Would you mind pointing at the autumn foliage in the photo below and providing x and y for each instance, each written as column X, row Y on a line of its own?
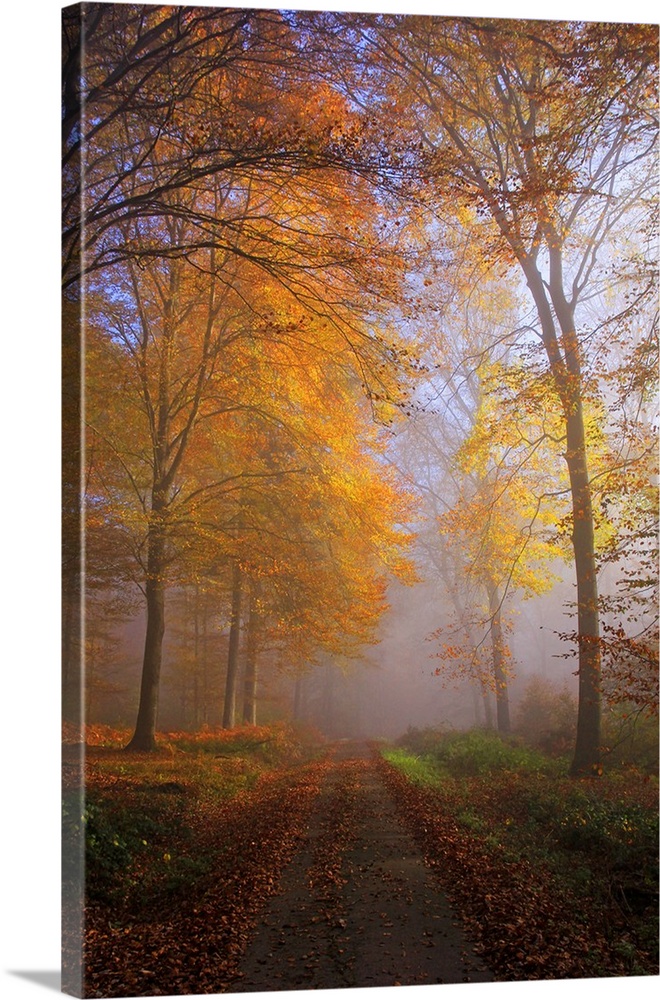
column 277, row 277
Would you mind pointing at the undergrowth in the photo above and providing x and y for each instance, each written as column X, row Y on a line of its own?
column 143, row 820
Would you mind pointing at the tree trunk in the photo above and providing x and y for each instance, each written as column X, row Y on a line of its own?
column 499, row 663
column 72, row 695
column 229, row 712
column 488, row 708
column 72, row 515
column 586, row 758
column 196, row 658
column 250, row 684
column 144, row 737
column 205, row 665
column 328, row 702
column 475, row 706
column 298, row 698
column 567, row 374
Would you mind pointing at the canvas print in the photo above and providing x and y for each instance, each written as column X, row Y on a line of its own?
column 360, row 631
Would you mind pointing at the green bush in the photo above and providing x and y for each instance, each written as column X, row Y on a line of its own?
column 479, row 752
column 72, row 835
column 475, row 752
column 622, row 833
column 117, row 834
column 109, row 850
column 422, row 741
column 630, row 739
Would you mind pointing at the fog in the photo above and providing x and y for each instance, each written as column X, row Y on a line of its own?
column 396, row 684
column 401, row 680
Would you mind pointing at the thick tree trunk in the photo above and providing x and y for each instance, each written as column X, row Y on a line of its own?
column 488, row 708
column 499, row 663
column 250, row 682
column 229, row 711
column 144, row 737
column 587, row 756
column 565, row 366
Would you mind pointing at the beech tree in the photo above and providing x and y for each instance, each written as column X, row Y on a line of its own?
column 206, row 179
column 505, row 516
column 214, row 403
column 316, row 545
column 546, row 131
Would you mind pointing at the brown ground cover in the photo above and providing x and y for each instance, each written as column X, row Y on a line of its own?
column 245, row 861
column 533, row 917
column 289, row 874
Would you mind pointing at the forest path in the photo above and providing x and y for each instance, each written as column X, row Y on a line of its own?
column 356, row 907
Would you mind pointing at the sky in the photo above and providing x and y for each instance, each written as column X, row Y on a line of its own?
column 29, row 367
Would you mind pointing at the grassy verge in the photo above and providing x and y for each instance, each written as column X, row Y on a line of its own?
column 558, row 877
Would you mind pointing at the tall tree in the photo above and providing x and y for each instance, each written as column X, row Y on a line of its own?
column 272, row 248
column 547, row 132
column 505, row 515
column 214, row 404
column 251, row 657
column 195, row 170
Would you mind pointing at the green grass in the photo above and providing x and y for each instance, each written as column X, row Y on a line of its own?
column 422, row 770
column 461, row 754
column 431, row 758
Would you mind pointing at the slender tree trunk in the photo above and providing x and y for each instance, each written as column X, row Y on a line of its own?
column 587, row 756
column 195, row 712
column 229, row 712
column 144, row 737
column 72, row 503
column 250, row 683
column 205, row 665
column 298, row 698
column 499, row 663
column 72, row 701
column 183, row 704
column 475, row 706
column 485, row 692
column 328, row 701
column 196, row 645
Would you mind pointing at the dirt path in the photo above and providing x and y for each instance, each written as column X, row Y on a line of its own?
column 356, row 907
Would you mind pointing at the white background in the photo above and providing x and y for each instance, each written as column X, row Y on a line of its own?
column 29, row 493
